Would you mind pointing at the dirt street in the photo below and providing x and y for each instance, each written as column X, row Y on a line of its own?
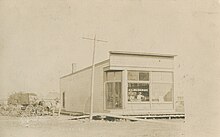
column 62, row 127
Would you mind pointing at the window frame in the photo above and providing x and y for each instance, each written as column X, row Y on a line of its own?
column 112, row 81
column 150, row 82
column 138, row 81
column 163, row 82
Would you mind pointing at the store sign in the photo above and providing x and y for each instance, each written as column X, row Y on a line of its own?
column 138, row 90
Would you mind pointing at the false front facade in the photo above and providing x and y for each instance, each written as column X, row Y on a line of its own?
column 126, row 83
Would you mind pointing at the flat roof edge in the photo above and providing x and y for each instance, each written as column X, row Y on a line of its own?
column 97, row 64
column 142, row 54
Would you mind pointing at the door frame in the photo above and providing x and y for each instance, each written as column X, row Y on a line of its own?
column 105, row 103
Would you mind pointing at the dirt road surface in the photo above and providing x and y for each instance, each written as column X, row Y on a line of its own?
column 63, row 127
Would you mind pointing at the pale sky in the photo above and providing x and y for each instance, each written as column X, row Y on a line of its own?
column 39, row 39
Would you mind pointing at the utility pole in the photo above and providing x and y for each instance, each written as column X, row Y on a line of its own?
column 93, row 73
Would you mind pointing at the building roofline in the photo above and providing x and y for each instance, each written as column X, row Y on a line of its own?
column 141, row 54
column 123, row 53
column 97, row 64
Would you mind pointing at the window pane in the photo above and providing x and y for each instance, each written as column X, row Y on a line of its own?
column 133, row 75
column 138, row 76
column 162, row 77
column 138, row 92
column 156, row 76
column 167, row 76
column 162, row 92
column 144, row 76
column 108, row 93
column 113, row 95
column 118, row 75
column 113, row 75
column 110, row 76
column 117, row 96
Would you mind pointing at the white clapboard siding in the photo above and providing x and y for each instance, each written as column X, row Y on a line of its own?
column 141, row 61
column 77, row 88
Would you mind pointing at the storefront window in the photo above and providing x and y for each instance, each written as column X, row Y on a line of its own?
column 138, row 92
column 139, row 84
column 162, row 87
column 162, row 92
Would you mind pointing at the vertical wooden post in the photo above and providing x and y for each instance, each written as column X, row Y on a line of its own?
column 124, row 88
column 93, row 78
column 150, row 89
column 93, row 74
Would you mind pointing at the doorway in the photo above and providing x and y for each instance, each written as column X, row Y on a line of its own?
column 113, row 90
column 113, row 95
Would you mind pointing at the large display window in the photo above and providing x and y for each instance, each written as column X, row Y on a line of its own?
column 146, row 86
column 138, row 86
column 162, row 92
column 142, row 87
column 162, row 87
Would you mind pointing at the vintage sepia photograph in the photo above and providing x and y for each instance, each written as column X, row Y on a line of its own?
column 109, row 68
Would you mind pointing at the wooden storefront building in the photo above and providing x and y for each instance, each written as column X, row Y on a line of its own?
column 126, row 83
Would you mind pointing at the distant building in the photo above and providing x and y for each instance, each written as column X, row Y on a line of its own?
column 126, row 83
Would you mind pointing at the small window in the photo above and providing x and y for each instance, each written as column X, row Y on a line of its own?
column 133, row 75
column 118, row 75
column 143, row 76
column 110, row 76
column 113, row 75
column 138, row 76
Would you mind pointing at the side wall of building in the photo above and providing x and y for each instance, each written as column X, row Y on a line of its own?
column 99, row 88
column 77, row 88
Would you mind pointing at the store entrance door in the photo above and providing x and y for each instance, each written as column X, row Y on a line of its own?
column 113, row 95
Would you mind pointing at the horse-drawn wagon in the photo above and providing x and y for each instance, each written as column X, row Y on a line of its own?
column 27, row 104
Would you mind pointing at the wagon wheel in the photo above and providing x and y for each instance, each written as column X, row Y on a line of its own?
column 52, row 110
column 11, row 110
column 30, row 111
column 46, row 110
column 5, row 111
column 40, row 110
column 17, row 112
column 2, row 111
